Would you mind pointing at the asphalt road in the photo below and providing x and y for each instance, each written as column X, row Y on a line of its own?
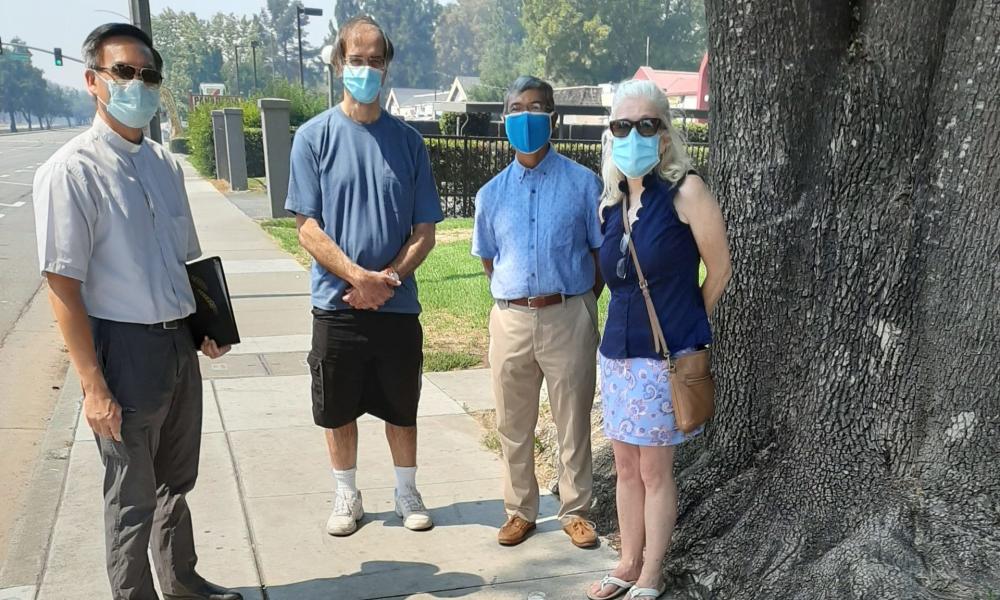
column 20, row 155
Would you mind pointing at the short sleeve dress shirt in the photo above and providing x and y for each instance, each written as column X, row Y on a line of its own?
column 115, row 216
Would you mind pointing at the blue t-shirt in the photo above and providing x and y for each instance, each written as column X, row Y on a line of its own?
column 539, row 226
column 366, row 185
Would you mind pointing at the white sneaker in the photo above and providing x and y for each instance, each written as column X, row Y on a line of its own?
column 347, row 511
column 410, row 506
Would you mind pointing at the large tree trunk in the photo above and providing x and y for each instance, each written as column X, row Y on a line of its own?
column 856, row 452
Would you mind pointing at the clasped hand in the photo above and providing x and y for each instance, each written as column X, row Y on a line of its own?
column 371, row 290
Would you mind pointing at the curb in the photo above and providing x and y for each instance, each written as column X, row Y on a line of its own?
column 29, row 546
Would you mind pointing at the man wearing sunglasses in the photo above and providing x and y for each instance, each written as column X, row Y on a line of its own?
column 114, row 230
column 366, row 206
column 537, row 231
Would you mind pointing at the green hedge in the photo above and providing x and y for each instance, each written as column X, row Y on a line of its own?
column 304, row 106
column 697, row 133
column 478, row 125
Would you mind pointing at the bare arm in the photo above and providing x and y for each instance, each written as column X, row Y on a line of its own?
column 697, row 207
column 103, row 413
column 488, row 267
column 598, row 280
column 370, row 290
column 415, row 250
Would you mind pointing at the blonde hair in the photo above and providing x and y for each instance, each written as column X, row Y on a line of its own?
column 674, row 162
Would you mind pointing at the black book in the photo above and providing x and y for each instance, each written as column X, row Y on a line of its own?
column 213, row 316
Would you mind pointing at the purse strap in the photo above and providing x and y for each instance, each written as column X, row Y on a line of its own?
column 659, row 340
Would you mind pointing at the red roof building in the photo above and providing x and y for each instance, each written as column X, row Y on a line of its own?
column 685, row 88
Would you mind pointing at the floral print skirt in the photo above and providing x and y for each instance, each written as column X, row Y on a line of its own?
column 638, row 410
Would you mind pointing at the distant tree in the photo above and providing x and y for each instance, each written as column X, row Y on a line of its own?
column 460, row 38
column 506, row 53
column 595, row 41
column 410, row 25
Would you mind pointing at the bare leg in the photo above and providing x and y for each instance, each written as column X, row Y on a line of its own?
column 656, row 467
column 342, row 444
column 630, row 499
column 402, row 444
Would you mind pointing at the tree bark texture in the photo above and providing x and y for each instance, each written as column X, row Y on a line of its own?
column 855, row 149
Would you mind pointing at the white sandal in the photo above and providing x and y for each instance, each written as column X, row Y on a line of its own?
column 621, row 585
column 646, row 592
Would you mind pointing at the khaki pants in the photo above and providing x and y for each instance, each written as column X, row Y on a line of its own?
column 557, row 343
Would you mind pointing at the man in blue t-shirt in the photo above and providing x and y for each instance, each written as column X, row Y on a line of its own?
column 366, row 206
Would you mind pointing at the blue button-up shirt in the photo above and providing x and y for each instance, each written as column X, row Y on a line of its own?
column 539, row 226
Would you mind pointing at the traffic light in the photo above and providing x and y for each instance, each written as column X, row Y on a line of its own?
column 57, row 52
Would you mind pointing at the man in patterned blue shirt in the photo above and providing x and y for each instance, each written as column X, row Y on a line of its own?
column 537, row 232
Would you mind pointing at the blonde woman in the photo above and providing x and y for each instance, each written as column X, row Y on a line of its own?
column 675, row 222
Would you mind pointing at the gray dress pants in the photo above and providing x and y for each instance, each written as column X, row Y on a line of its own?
column 154, row 375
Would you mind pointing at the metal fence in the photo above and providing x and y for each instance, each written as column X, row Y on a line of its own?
column 462, row 165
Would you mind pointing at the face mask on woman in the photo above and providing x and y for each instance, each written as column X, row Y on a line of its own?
column 364, row 83
column 635, row 155
column 132, row 103
column 528, row 132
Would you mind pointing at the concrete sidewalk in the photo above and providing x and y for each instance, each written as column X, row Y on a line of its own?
column 265, row 489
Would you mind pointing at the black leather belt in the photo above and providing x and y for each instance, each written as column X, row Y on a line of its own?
column 168, row 325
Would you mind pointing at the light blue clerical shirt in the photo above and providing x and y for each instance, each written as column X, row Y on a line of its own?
column 539, row 226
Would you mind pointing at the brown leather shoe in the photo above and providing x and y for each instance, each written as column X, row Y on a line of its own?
column 581, row 532
column 514, row 531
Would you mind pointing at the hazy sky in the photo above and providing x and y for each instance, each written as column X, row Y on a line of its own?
column 65, row 23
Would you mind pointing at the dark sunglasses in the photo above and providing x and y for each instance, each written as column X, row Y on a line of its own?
column 647, row 127
column 128, row 72
column 621, row 269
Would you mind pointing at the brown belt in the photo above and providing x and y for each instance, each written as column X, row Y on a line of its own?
column 539, row 301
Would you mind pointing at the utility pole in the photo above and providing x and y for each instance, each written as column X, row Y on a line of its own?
column 139, row 9
column 647, row 50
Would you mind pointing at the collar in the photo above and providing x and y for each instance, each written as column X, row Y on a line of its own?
column 649, row 180
column 541, row 168
column 104, row 132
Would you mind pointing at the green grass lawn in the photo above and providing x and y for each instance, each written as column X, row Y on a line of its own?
column 453, row 291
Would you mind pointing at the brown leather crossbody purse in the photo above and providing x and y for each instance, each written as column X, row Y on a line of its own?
column 692, row 388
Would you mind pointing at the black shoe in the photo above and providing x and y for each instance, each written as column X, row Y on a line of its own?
column 208, row 591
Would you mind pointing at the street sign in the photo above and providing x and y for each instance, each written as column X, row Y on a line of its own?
column 197, row 99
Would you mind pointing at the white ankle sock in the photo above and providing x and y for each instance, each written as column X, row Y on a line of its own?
column 406, row 479
column 346, row 481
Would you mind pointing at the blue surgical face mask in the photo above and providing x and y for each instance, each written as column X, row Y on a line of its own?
column 131, row 103
column 635, row 155
column 363, row 83
column 528, row 132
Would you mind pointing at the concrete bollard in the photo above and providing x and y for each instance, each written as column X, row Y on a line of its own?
column 274, row 119
column 219, row 138
column 236, row 149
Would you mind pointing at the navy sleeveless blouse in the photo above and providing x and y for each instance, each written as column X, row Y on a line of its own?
column 669, row 259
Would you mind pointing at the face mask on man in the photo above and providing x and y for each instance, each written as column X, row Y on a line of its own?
column 635, row 155
column 528, row 132
column 132, row 103
column 364, row 83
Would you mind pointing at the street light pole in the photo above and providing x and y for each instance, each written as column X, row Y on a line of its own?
column 253, row 51
column 311, row 12
column 237, row 49
column 139, row 9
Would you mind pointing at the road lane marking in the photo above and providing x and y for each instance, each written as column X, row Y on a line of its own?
column 15, row 205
